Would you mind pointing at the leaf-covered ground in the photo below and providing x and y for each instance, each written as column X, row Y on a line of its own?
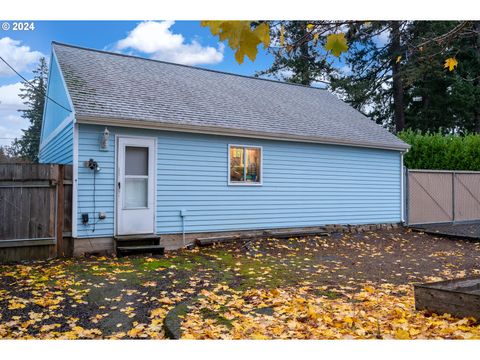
column 339, row 287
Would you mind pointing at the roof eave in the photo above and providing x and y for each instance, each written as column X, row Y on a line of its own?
column 213, row 130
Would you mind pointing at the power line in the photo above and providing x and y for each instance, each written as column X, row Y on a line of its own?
column 33, row 87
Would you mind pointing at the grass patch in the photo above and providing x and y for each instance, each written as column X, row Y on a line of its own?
column 219, row 319
column 141, row 264
column 332, row 295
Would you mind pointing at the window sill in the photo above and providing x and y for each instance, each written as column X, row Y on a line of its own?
column 244, row 184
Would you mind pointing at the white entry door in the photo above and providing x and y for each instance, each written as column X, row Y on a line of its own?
column 135, row 186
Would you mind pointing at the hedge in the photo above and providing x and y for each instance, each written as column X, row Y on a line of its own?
column 442, row 152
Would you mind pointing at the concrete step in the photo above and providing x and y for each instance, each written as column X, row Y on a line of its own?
column 137, row 240
column 122, row 238
column 143, row 249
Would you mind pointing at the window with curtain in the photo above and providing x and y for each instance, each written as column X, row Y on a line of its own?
column 245, row 165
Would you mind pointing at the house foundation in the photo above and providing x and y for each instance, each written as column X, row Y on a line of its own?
column 105, row 245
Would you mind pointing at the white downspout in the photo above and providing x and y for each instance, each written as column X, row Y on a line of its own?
column 183, row 214
column 402, row 185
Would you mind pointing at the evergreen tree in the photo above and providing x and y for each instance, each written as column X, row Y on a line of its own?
column 374, row 83
column 7, row 155
column 3, row 155
column 396, row 71
column 402, row 83
column 304, row 64
column 437, row 99
column 33, row 94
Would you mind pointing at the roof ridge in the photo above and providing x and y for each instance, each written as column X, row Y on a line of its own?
column 183, row 65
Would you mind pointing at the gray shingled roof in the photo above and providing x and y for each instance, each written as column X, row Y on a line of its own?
column 105, row 85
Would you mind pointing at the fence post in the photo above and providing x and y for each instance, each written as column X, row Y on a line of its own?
column 52, row 220
column 453, row 196
column 60, row 209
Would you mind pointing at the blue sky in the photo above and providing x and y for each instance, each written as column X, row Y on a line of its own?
column 181, row 41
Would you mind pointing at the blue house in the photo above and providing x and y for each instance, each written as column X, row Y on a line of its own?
column 165, row 149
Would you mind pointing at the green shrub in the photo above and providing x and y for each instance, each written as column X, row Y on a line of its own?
column 442, row 152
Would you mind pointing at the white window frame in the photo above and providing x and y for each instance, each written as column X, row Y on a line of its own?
column 125, row 177
column 245, row 183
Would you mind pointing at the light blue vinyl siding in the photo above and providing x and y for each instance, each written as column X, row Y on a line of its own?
column 55, row 114
column 60, row 149
column 89, row 148
column 56, row 143
column 304, row 184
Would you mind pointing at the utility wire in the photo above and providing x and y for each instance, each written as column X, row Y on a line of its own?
column 33, row 87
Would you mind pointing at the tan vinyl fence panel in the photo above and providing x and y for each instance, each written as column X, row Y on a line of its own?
column 467, row 196
column 442, row 196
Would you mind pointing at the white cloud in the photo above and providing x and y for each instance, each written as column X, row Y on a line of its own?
column 11, row 123
column 345, row 69
column 320, row 84
column 383, row 38
column 8, row 134
column 9, row 98
column 156, row 39
column 280, row 75
column 11, row 126
column 19, row 56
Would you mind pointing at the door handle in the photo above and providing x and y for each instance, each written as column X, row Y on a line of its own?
column 119, row 185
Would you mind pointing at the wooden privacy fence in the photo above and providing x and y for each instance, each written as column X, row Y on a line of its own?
column 35, row 211
column 436, row 196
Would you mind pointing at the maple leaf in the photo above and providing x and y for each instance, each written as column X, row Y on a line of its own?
column 136, row 331
column 213, row 25
column 282, row 35
column 241, row 37
column 402, row 334
column 166, row 300
column 158, row 312
column 312, row 313
column 398, row 59
column 12, row 305
column 49, row 327
column 262, row 31
column 337, row 44
column 450, row 64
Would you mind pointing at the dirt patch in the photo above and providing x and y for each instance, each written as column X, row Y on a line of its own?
column 129, row 297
